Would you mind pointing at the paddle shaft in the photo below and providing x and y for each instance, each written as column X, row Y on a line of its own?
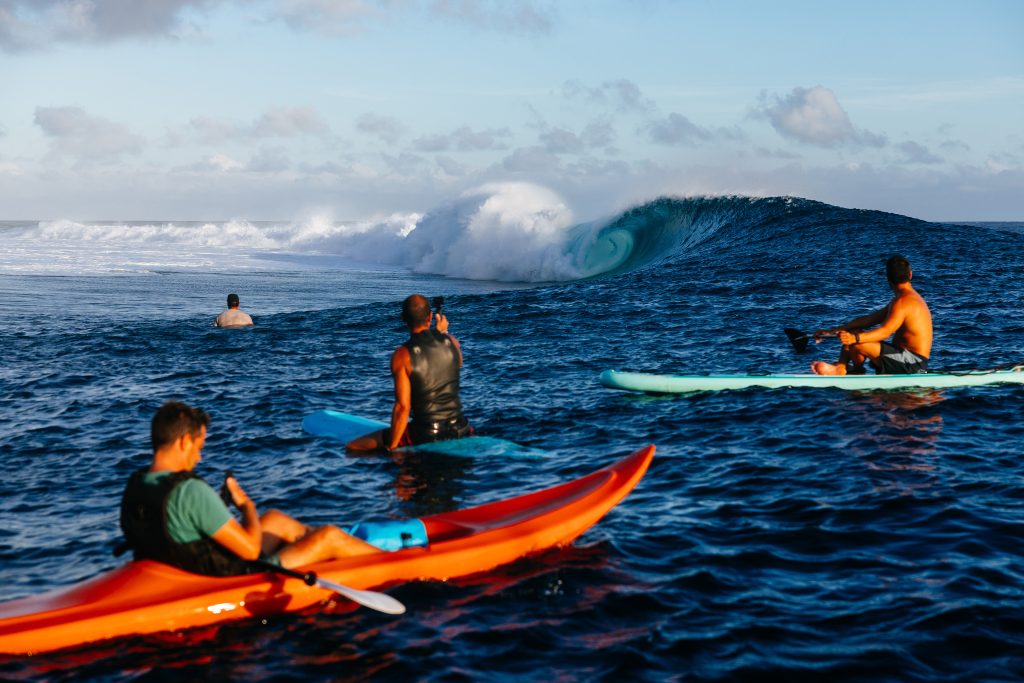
column 372, row 599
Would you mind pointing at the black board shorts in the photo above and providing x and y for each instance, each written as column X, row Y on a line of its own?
column 894, row 361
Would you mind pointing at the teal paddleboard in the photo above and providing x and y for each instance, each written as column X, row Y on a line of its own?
column 680, row 384
column 344, row 427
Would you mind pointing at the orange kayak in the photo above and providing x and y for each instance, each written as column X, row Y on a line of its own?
column 149, row 597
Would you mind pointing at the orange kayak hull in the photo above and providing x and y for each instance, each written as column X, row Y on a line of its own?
column 149, row 597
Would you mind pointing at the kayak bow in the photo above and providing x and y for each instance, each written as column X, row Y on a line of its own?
column 148, row 597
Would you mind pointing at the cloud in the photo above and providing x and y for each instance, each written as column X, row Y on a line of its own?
column 529, row 160
column 340, row 17
column 288, row 122
column 386, row 128
column 676, row 129
column 3, row 130
column 621, row 94
column 269, row 160
column 348, row 17
column 955, row 146
column 916, row 153
column 562, row 141
column 516, row 16
column 450, row 166
column 33, row 24
column 279, row 122
column 91, row 139
column 464, row 139
column 814, row 116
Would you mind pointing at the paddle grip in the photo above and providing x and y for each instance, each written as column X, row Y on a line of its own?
column 225, row 492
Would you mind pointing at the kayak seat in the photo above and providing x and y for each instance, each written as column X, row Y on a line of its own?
column 392, row 534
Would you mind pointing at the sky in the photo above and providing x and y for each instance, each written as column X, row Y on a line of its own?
column 356, row 109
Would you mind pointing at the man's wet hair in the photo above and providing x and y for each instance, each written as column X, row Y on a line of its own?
column 232, row 300
column 173, row 421
column 416, row 310
column 897, row 269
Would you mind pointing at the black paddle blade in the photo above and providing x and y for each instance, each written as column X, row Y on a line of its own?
column 797, row 338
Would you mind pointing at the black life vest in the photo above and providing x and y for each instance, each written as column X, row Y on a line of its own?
column 144, row 523
column 434, row 378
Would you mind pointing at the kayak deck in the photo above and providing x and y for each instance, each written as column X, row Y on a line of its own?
column 147, row 597
column 677, row 384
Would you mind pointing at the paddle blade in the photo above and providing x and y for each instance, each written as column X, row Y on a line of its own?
column 797, row 338
column 381, row 602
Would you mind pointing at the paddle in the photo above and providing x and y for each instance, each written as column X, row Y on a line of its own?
column 372, row 599
column 800, row 339
column 378, row 601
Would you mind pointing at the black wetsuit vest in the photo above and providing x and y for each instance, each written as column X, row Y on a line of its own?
column 144, row 523
column 436, row 408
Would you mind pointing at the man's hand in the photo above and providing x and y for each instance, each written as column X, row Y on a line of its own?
column 849, row 338
column 442, row 323
column 238, row 496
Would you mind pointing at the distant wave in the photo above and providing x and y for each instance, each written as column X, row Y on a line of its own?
column 512, row 232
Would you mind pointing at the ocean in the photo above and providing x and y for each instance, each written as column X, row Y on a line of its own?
column 799, row 535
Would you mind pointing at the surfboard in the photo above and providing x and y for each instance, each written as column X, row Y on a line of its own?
column 680, row 384
column 344, row 427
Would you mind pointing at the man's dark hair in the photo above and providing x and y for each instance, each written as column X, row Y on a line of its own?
column 897, row 269
column 416, row 310
column 232, row 300
column 173, row 421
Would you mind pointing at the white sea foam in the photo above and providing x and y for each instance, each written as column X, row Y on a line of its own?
column 509, row 232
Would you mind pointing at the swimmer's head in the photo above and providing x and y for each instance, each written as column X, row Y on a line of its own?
column 232, row 300
column 416, row 311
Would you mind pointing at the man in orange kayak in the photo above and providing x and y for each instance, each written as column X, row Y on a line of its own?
column 906, row 318
column 169, row 514
column 426, row 372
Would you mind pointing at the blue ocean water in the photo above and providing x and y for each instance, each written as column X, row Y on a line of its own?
column 779, row 535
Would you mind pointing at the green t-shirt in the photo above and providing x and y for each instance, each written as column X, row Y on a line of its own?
column 194, row 510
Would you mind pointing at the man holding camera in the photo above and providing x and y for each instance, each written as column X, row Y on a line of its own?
column 425, row 370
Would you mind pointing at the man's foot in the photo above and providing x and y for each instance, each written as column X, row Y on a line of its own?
column 822, row 368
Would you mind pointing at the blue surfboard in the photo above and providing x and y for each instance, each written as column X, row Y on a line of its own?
column 345, row 427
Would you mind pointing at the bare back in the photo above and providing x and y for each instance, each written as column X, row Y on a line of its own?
column 915, row 322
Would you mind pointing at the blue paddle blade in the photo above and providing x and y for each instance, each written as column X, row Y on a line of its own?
column 797, row 338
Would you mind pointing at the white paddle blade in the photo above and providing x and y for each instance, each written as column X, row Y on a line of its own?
column 372, row 599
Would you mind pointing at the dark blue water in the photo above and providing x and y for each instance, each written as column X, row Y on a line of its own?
column 794, row 535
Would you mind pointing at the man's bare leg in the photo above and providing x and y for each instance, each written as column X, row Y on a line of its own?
column 279, row 530
column 325, row 543
column 367, row 444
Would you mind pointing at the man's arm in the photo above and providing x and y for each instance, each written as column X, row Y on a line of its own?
column 889, row 320
column 442, row 327
column 245, row 539
column 866, row 321
column 401, row 368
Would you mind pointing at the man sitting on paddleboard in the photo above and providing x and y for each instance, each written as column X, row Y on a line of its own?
column 171, row 515
column 425, row 370
column 906, row 318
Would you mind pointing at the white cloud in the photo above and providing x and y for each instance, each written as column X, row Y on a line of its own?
column 279, row 122
column 622, row 94
column 269, row 160
column 676, row 129
column 290, row 122
column 386, row 128
column 340, row 17
column 561, row 141
column 464, row 139
column 91, row 139
column 33, row 24
column 814, row 116
column 531, row 159
column 916, row 153
column 518, row 16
